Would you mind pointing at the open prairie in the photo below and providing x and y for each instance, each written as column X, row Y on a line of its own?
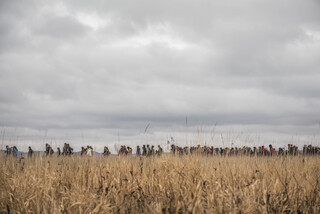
column 166, row 184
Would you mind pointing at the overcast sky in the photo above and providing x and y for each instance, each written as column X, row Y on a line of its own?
column 99, row 72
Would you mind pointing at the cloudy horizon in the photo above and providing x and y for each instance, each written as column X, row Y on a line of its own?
column 203, row 71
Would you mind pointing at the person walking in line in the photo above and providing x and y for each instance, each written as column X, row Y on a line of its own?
column 64, row 149
column 160, row 150
column 8, row 150
column 69, row 150
column 58, row 151
column 15, row 151
column 106, row 151
column 89, row 151
column 30, row 152
column 83, row 151
column 49, row 150
column 144, row 150
column 148, row 150
column 138, row 151
column 129, row 149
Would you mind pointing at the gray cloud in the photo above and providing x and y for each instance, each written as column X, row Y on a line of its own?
column 117, row 66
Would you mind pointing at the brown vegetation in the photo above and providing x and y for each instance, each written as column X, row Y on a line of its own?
column 188, row 184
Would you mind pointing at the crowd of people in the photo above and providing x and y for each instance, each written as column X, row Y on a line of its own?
column 148, row 150
column 207, row 150
column 86, row 151
column 311, row 150
column 245, row 150
column 67, row 150
column 12, row 150
column 125, row 150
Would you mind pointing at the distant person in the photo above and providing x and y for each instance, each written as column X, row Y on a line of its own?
column 64, row 149
column 69, row 150
column 8, row 150
column 30, row 152
column 129, row 149
column 83, row 151
column 173, row 149
column 271, row 149
column 15, row 151
column 49, row 150
column 148, row 150
column 89, row 151
column 123, row 150
column 106, row 151
column 160, row 150
column 58, row 151
column 138, row 151
column 144, row 150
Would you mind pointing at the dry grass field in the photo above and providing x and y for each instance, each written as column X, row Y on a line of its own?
column 188, row 184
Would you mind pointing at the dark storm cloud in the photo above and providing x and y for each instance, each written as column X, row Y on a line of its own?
column 119, row 65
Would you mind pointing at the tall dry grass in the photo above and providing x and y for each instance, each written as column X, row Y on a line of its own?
column 188, row 184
